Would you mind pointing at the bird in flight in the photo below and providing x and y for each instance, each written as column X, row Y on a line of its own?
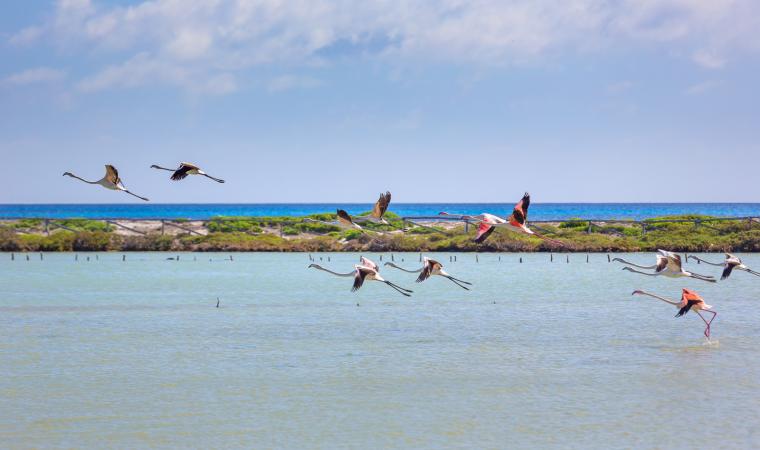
column 732, row 262
column 184, row 170
column 110, row 181
column 516, row 222
column 690, row 301
column 429, row 268
column 378, row 211
column 668, row 265
column 367, row 270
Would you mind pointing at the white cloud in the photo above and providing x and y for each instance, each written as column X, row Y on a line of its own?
column 36, row 75
column 191, row 43
column 708, row 59
column 288, row 82
column 701, row 88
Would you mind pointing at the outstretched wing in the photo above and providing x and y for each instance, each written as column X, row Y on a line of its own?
column 112, row 175
column 727, row 271
column 181, row 173
column 662, row 263
column 366, row 262
column 484, row 230
column 359, row 276
column 427, row 270
column 687, row 307
column 520, row 213
column 344, row 218
column 381, row 205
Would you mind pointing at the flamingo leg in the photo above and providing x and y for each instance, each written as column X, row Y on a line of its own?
column 707, row 329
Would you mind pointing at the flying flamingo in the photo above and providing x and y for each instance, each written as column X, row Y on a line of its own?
column 690, row 300
column 186, row 169
column 344, row 220
column 381, row 206
column 367, row 270
column 110, row 181
column 431, row 267
column 515, row 222
column 732, row 262
column 669, row 265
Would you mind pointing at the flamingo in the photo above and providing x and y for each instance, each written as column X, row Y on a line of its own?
column 110, row 181
column 367, row 270
column 431, row 267
column 186, row 169
column 732, row 262
column 344, row 220
column 669, row 265
column 381, row 206
column 690, row 300
column 515, row 222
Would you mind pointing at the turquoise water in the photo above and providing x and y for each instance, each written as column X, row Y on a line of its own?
column 134, row 354
column 538, row 211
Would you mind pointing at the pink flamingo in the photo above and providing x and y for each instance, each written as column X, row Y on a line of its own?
column 690, row 300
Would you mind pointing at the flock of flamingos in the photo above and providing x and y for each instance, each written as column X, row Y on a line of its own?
column 668, row 264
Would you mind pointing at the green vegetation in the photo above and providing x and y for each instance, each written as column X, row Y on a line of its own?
column 696, row 233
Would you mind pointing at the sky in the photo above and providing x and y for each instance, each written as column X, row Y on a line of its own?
column 337, row 101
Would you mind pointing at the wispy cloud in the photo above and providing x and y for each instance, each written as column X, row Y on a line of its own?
column 288, row 82
column 708, row 59
column 701, row 88
column 36, row 75
column 195, row 43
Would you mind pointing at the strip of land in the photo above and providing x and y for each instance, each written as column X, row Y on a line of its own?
column 315, row 233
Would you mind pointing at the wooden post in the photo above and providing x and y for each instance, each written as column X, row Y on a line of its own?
column 381, row 257
column 47, row 227
column 392, row 257
column 586, row 259
column 40, row 256
column 76, row 256
column 13, row 256
column 476, row 258
column 568, row 259
column 466, row 226
column 551, row 257
column 162, row 227
column 521, row 260
column 123, row 257
column 608, row 258
column 27, row 257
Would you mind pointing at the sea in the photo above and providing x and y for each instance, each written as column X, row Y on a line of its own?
column 538, row 211
column 104, row 350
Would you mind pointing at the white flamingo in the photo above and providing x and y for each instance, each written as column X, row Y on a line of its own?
column 366, row 271
column 110, row 181
column 732, row 262
column 668, row 265
column 186, row 169
column 690, row 301
column 429, row 268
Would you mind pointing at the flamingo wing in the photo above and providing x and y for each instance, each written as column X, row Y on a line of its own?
column 426, row 271
column 662, row 263
column 112, row 175
column 366, row 262
column 344, row 217
column 181, row 173
column 381, row 206
column 727, row 270
column 484, row 230
column 359, row 276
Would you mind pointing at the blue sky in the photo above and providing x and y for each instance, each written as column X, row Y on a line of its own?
column 335, row 101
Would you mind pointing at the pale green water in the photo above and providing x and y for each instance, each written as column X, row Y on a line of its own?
column 134, row 354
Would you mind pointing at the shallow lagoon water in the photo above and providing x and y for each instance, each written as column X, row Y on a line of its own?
column 131, row 354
